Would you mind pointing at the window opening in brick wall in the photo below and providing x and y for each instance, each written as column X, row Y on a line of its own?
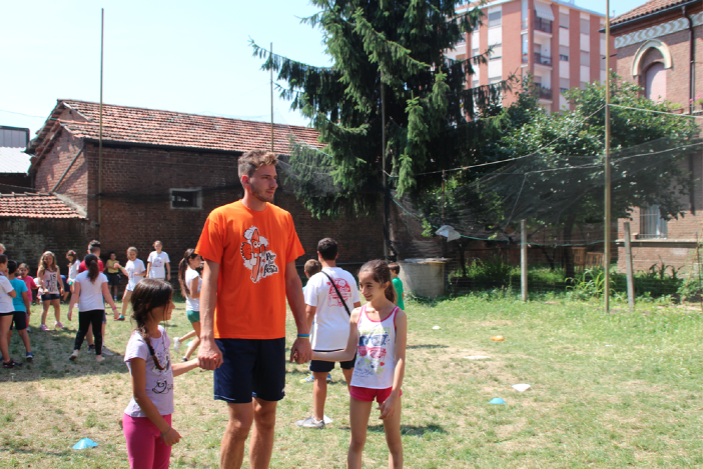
column 564, row 53
column 652, row 225
column 186, row 198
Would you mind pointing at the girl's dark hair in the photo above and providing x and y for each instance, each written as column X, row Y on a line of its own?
column 3, row 258
column 11, row 267
column 381, row 274
column 73, row 255
column 91, row 261
column 149, row 294
column 182, row 267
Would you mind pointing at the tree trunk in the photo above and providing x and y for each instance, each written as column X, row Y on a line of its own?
column 550, row 259
column 569, row 268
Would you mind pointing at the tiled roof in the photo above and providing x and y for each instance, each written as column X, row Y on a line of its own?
column 13, row 160
column 652, row 6
column 125, row 124
column 35, row 205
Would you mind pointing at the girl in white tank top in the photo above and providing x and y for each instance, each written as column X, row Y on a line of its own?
column 378, row 335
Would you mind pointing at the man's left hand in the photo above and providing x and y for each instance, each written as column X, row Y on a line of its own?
column 301, row 352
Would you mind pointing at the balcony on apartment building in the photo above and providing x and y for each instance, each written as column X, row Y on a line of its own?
column 542, row 92
column 543, row 25
column 539, row 59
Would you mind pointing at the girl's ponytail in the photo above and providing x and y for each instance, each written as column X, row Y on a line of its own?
column 91, row 261
column 381, row 274
column 183, row 267
column 148, row 295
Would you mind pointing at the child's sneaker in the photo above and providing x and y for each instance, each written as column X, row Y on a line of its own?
column 176, row 344
column 329, row 377
column 73, row 356
column 91, row 348
column 28, row 330
column 107, row 353
column 310, row 422
column 8, row 365
column 43, row 328
column 309, row 379
column 58, row 325
column 99, row 358
column 29, row 357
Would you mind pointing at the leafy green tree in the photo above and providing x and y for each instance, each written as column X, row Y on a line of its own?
column 563, row 182
column 398, row 47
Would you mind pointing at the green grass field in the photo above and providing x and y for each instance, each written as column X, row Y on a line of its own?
column 612, row 390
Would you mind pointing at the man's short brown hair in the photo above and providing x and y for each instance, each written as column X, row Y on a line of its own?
column 250, row 161
column 94, row 246
column 312, row 266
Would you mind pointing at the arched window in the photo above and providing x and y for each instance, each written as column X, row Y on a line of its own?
column 655, row 82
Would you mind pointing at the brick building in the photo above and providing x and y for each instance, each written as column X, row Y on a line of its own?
column 558, row 43
column 163, row 172
column 660, row 47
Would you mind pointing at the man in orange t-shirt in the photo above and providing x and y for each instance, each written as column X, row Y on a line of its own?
column 249, row 248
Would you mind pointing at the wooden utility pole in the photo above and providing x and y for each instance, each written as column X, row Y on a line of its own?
column 523, row 259
column 100, row 129
column 630, row 270
column 271, row 61
column 383, row 170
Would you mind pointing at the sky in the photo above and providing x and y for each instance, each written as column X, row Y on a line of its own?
column 180, row 56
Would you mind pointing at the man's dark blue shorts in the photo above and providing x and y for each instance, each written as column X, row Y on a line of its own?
column 251, row 368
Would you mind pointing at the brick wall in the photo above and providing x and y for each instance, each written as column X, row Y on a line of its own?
column 55, row 163
column 27, row 238
column 679, row 248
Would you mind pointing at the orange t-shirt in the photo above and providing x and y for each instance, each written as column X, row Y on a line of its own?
column 252, row 249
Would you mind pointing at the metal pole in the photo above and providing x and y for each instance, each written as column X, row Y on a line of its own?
column 630, row 270
column 271, row 60
column 383, row 170
column 100, row 130
column 606, row 257
column 523, row 258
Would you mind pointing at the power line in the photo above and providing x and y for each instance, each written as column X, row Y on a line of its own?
column 657, row 112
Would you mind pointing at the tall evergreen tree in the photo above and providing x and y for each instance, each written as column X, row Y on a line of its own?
column 397, row 46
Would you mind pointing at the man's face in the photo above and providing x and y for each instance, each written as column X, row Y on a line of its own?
column 264, row 182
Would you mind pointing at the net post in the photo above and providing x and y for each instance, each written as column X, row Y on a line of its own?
column 606, row 256
column 630, row 272
column 523, row 258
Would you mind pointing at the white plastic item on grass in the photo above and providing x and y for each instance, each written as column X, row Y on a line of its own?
column 327, row 420
column 436, row 327
column 477, row 357
column 521, row 387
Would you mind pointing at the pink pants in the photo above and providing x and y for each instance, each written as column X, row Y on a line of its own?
column 144, row 446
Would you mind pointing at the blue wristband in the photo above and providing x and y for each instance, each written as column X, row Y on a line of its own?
column 303, row 336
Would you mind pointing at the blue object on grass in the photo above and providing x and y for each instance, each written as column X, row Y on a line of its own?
column 496, row 400
column 85, row 443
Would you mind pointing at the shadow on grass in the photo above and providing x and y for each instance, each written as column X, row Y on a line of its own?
column 411, row 430
column 13, row 450
column 426, row 346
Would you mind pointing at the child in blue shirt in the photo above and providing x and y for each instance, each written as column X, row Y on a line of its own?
column 21, row 304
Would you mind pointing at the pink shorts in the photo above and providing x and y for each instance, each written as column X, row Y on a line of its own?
column 369, row 394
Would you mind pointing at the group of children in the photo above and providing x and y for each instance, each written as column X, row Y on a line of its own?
column 50, row 288
column 377, row 334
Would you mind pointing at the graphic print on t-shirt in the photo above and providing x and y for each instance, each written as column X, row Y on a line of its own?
column 344, row 289
column 372, row 350
column 257, row 257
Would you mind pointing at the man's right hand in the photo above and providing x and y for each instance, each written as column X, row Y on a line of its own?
column 209, row 355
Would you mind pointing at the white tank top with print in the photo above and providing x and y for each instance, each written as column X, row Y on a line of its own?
column 50, row 282
column 375, row 361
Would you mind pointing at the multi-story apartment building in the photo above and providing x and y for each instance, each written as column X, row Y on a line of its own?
column 557, row 42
